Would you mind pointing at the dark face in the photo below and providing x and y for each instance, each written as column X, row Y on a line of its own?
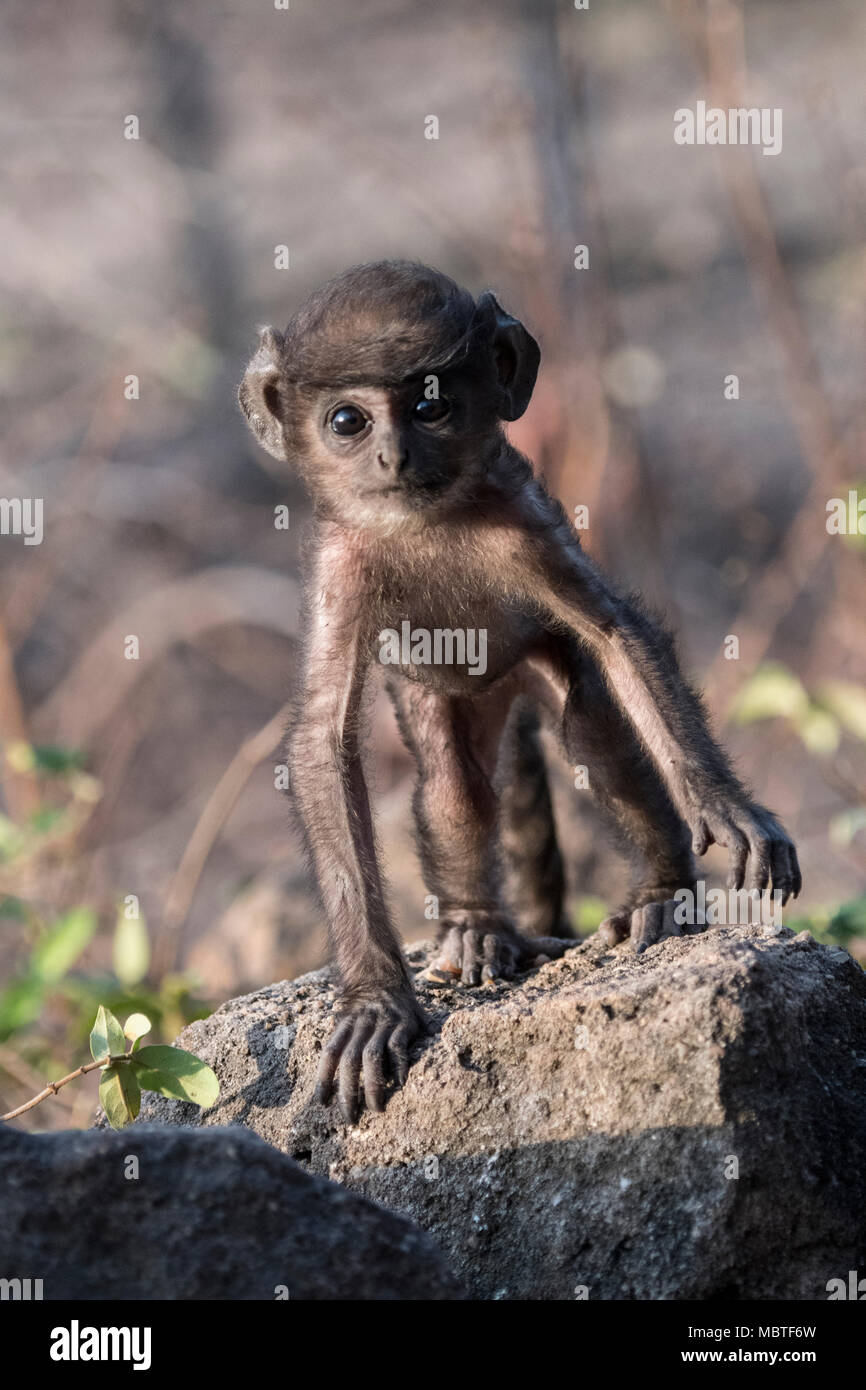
column 388, row 454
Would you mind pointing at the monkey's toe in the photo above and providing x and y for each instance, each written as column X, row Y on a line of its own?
column 550, row 946
column 477, row 954
column 652, row 923
column 615, row 928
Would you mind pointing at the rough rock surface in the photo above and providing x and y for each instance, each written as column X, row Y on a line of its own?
column 689, row 1123
column 214, row 1214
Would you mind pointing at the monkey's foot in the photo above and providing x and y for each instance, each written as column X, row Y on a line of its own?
column 645, row 925
column 370, row 1040
column 489, row 949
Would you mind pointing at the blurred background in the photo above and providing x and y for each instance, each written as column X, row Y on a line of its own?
column 146, row 859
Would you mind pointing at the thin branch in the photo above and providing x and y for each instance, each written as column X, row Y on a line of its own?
column 54, row 1086
column 717, row 40
column 22, row 791
column 219, row 806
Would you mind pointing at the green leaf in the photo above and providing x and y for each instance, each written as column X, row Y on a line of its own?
column 136, row 1026
column 120, row 1094
column 106, row 1036
column 773, row 692
column 131, row 949
column 59, row 948
column 53, row 760
column 20, row 1003
column 171, row 1071
column 848, row 702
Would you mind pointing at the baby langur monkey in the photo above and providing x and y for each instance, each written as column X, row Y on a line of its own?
column 388, row 392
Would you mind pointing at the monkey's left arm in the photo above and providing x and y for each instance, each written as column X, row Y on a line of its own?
column 639, row 664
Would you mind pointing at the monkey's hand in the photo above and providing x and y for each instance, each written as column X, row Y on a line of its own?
column 762, row 855
column 371, row 1038
column 487, row 948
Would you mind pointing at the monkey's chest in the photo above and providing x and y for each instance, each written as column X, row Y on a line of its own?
column 452, row 645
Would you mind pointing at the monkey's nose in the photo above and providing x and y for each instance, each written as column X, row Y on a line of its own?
column 393, row 459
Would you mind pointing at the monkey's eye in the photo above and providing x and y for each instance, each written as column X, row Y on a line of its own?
column 347, row 420
column 429, row 411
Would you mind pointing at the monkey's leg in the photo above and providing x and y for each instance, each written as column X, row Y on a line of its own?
column 455, row 742
column 533, row 879
column 627, row 785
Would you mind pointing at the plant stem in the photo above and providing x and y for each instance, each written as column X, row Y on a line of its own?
column 54, row 1086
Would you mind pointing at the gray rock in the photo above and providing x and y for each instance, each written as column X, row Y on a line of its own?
column 214, row 1214
column 689, row 1123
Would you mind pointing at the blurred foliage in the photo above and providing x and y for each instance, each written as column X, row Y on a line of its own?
column 47, row 1007
column 837, row 926
column 588, row 914
column 819, row 718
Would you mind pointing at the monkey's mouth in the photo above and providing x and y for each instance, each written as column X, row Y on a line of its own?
column 415, row 495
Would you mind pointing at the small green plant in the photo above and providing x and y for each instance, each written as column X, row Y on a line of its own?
column 169, row 1071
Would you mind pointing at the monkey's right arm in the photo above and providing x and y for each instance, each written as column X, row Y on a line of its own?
column 639, row 665
column 380, row 1014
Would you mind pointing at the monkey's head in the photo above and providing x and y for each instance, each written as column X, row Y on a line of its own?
column 388, row 390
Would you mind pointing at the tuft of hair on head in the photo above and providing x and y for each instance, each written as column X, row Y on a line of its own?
column 384, row 322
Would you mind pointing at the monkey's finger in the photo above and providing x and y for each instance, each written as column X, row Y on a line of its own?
column 782, row 875
column 472, row 958
column 701, row 838
column 374, row 1067
column 398, row 1051
column 759, row 865
column 331, row 1060
column 796, row 876
column 350, row 1069
column 738, row 848
column 615, row 929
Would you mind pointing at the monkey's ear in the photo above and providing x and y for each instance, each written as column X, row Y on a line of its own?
column 516, row 356
column 259, row 393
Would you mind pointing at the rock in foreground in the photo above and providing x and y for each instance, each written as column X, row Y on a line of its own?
column 690, row 1123
column 214, row 1214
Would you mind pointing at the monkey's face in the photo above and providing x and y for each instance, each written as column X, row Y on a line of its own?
column 377, row 454
column 388, row 390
